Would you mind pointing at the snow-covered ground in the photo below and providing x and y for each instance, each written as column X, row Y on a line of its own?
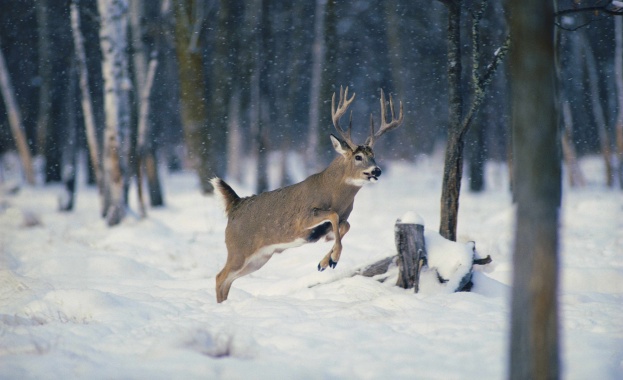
column 81, row 300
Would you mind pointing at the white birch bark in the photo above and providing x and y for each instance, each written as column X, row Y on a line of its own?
column 113, row 41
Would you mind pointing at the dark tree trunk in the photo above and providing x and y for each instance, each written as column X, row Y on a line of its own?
column 460, row 122
column 597, row 107
column 453, row 161
column 156, row 196
column 534, row 315
column 260, row 93
column 70, row 143
column 144, row 73
column 618, row 80
column 318, row 56
column 45, row 73
column 192, row 94
column 477, row 159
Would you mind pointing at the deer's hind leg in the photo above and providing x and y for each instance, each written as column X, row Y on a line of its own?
column 238, row 266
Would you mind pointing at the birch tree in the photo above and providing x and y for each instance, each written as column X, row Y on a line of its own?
column 113, row 42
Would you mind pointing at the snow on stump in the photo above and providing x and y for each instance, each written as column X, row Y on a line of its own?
column 426, row 261
column 449, row 265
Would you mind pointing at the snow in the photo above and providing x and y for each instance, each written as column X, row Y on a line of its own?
column 81, row 300
column 412, row 217
column 446, row 259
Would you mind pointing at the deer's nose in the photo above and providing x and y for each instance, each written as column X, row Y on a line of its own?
column 376, row 172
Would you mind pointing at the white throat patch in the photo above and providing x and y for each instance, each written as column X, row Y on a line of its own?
column 359, row 182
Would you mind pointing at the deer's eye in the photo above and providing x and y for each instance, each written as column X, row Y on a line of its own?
column 358, row 157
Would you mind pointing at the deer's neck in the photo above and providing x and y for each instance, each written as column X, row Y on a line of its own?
column 334, row 178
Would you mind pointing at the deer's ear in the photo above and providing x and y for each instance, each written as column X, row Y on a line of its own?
column 340, row 146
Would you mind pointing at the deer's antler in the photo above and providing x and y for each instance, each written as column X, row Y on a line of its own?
column 385, row 126
column 342, row 106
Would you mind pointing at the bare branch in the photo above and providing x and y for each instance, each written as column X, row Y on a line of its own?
column 600, row 12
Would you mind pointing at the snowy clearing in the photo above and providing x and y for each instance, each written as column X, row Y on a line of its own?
column 80, row 300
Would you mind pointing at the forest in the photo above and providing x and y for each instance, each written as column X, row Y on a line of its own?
column 208, row 84
column 131, row 92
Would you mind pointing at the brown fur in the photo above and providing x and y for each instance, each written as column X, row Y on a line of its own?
column 289, row 214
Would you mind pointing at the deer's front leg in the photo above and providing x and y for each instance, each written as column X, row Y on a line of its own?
column 333, row 256
column 338, row 228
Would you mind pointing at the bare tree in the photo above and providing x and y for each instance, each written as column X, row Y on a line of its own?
column 460, row 121
column 533, row 349
column 15, row 120
column 113, row 42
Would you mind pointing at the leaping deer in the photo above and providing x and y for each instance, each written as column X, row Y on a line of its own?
column 261, row 225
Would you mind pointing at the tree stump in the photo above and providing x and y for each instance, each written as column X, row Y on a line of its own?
column 411, row 249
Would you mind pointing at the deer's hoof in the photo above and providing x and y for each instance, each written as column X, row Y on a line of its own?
column 321, row 268
column 332, row 263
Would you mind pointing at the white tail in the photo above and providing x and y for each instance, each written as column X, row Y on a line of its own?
column 271, row 222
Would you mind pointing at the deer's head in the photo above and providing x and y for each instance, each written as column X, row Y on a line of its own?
column 359, row 159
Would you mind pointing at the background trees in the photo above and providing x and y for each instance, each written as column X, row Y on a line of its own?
column 237, row 80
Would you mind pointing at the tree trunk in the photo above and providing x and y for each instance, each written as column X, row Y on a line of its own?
column 459, row 123
column 192, row 94
column 576, row 178
column 85, row 96
column 144, row 74
column 618, row 78
column 598, row 111
column 453, row 161
column 69, row 149
column 477, row 159
column 224, row 68
column 113, row 40
column 15, row 120
column 234, row 139
column 45, row 73
column 259, row 112
column 533, row 349
column 315, row 86
column 144, row 142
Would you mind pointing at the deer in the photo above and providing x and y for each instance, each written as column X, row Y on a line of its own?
column 261, row 225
